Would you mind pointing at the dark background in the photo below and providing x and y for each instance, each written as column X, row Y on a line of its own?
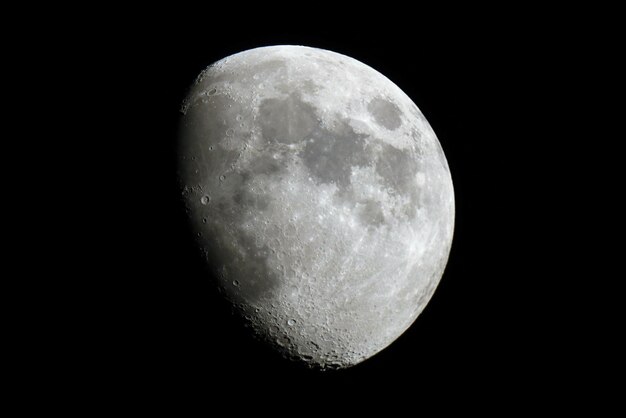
column 498, row 326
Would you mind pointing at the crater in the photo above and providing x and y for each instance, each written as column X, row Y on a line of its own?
column 385, row 113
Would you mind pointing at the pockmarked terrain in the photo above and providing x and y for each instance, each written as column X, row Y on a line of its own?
column 320, row 197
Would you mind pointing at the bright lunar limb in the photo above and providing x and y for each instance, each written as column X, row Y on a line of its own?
column 321, row 199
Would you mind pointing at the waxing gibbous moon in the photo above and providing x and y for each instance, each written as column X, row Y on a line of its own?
column 321, row 199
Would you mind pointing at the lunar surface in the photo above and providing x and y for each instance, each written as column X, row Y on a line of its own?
column 321, row 199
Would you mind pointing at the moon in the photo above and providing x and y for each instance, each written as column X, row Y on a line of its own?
column 320, row 197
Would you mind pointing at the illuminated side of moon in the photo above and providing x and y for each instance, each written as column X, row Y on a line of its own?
column 321, row 196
